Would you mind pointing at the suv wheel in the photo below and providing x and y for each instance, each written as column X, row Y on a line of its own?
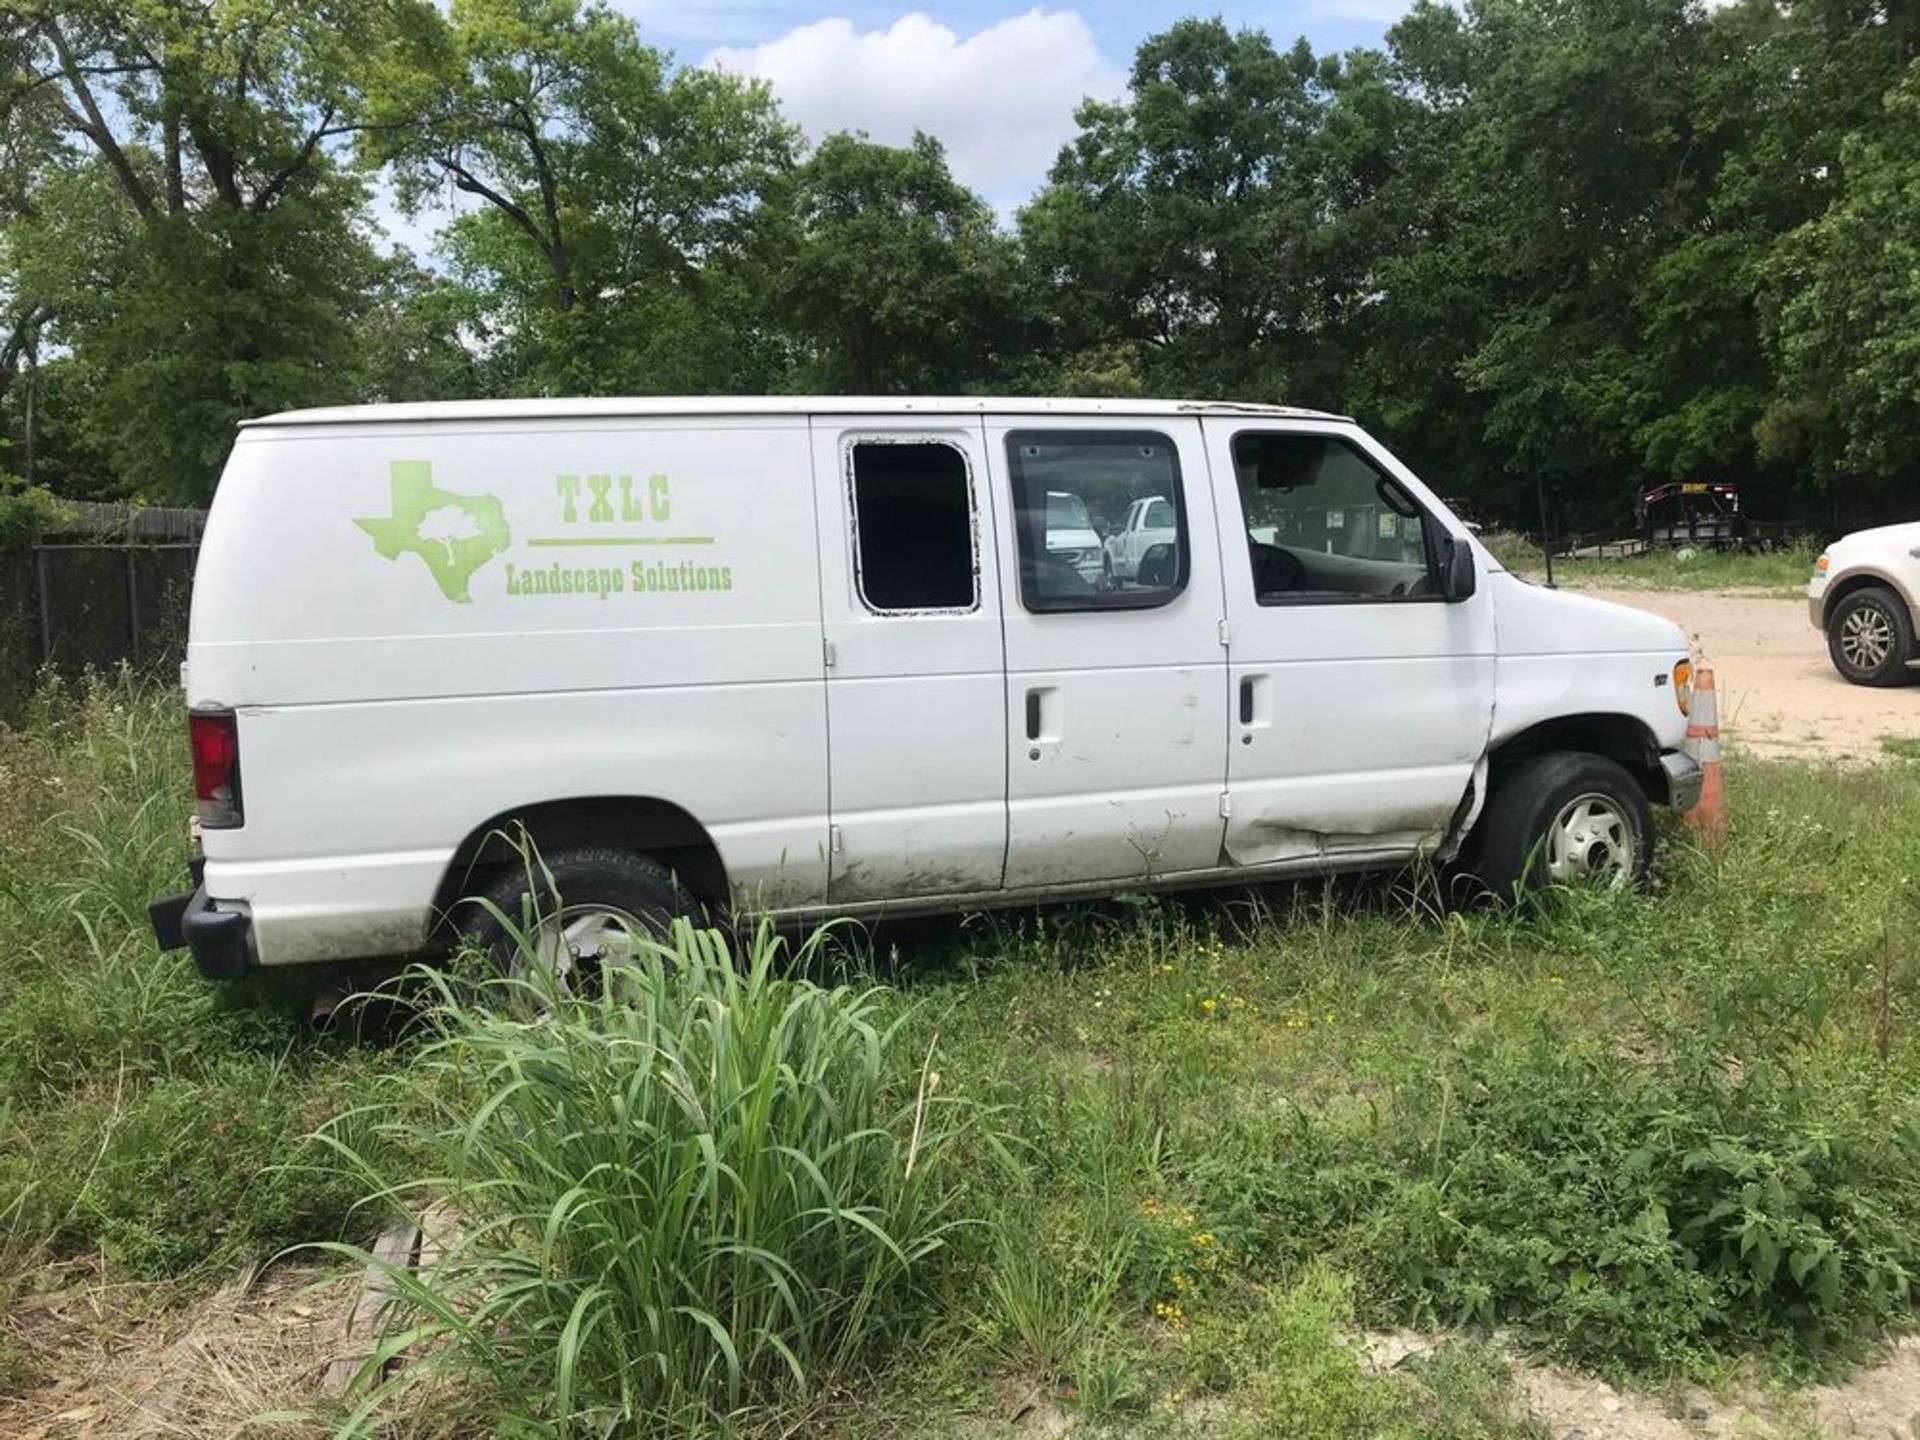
column 1870, row 637
column 1564, row 818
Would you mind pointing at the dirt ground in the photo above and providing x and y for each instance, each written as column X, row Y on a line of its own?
column 1779, row 693
column 125, row 1362
column 1879, row 1401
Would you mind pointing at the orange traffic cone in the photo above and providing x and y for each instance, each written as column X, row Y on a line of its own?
column 1709, row 817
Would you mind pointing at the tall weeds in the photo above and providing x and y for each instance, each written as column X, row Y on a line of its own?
column 702, row 1190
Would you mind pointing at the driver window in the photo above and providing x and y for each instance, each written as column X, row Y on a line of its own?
column 1325, row 524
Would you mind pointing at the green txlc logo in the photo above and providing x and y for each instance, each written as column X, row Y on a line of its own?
column 454, row 534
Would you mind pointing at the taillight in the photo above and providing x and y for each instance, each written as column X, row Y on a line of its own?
column 214, row 736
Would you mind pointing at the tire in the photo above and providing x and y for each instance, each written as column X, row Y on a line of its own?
column 599, row 898
column 1870, row 637
column 1566, row 817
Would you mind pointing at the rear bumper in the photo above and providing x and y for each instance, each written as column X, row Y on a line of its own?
column 221, row 941
column 1684, row 779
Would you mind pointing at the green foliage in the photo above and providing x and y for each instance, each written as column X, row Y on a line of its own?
column 1293, row 1367
column 1843, row 288
column 203, row 1169
column 890, row 275
column 1783, row 572
column 26, row 512
column 1586, row 246
column 615, row 191
column 143, row 1114
column 704, row 1189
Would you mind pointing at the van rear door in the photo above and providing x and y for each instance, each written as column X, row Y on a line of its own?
column 916, row 705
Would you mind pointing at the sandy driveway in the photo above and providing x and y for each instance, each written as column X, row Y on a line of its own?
column 1779, row 694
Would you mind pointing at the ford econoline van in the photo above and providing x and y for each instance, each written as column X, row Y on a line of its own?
column 824, row 657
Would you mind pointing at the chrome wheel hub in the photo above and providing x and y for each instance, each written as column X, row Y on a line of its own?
column 1866, row 637
column 1591, row 840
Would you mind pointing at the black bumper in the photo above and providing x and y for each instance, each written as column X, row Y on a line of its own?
column 219, row 939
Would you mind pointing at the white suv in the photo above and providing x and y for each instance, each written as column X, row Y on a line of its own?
column 1862, row 596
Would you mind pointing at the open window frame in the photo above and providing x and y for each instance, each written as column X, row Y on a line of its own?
column 851, row 445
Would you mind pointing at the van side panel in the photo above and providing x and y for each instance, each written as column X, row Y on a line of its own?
column 423, row 626
column 1562, row 653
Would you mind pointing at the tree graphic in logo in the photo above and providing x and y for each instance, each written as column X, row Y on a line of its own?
column 454, row 534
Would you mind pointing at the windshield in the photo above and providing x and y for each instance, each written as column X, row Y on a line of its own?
column 1066, row 511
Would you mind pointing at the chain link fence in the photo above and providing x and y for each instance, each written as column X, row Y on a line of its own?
column 107, row 585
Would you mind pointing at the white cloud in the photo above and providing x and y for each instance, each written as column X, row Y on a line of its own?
column 1001, row 100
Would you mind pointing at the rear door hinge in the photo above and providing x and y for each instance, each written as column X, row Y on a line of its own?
column 1226, row 805
column 826, row 651
column 1223, row 631
column 833, row 839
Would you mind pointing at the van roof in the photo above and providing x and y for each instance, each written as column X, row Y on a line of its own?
column 601, row 408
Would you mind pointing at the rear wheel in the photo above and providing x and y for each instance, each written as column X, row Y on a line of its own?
column 595, row 916
column 1870, row 637
column 1565, row 818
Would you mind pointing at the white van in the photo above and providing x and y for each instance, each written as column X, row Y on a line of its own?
column 816, row 657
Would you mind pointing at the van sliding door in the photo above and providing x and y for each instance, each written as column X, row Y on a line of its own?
column 916, row 711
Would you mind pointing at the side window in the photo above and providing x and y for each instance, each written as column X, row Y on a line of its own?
column 1325, row 524
column 913, row 527
column 1100, row 519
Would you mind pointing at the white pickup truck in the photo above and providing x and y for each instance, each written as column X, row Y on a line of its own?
column 1150, row 521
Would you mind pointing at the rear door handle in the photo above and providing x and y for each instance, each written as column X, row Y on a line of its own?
column 1246, row 700
column 1033, row 714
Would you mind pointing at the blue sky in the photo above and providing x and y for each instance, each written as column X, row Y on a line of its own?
column 699, row 27
column 996, row 80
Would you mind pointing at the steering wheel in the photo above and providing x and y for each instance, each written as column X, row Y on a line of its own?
column 1275, row 570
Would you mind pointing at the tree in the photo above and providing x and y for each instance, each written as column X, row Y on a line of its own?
column 889, row 275
column 1180, row 221
column 1843, row 292
column 612, row 191
column 215, row 129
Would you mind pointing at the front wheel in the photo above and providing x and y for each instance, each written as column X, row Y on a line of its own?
column 1565, row 818
column 1870, row 637
column 594, row 917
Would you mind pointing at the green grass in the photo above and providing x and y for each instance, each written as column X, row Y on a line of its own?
column 1900, row 747
column 680, row 1201
column 1782, row 573
column 143, row 1113
column 1188, row 1150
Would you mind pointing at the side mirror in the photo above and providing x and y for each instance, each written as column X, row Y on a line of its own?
column 1458, row 577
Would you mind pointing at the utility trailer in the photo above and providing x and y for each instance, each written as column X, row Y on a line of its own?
column 1700, row 514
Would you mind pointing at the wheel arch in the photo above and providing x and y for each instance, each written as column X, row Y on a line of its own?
column 1627, row 740
column 1852, row 582
column 644, row 824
